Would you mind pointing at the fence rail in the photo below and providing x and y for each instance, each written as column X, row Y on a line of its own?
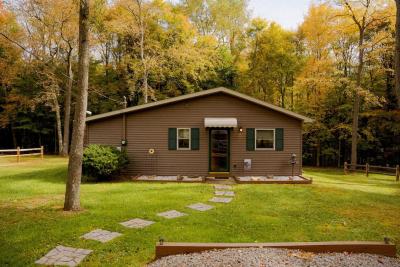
column 395, row 171
column 18, row 153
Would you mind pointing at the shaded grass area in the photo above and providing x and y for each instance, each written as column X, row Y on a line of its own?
column 334, row 207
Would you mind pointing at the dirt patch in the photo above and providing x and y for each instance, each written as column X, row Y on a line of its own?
column 32, row 203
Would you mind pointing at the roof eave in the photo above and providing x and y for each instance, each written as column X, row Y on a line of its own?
column 198, row 94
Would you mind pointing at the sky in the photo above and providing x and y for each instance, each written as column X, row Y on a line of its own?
column 288, row 13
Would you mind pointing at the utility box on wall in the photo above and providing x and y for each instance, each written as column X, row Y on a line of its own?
column 247, row 164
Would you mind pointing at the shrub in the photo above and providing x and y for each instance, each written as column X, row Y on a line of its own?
column 102, row 162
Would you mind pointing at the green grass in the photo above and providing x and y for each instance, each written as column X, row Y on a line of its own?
column 334, row 207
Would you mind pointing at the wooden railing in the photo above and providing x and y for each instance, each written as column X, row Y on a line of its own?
column 19, row 152
column 395, row 171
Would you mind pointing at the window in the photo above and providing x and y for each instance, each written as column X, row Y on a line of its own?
column 265, row 139
column 183, row 136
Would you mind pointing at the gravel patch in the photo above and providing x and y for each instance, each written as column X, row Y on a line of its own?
column 264, row 178
column 270, row 257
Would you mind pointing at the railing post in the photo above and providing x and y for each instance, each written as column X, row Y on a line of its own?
column 345, row 167
column 41, row 152
column 366, row 169
column 397, row 173
column 18, row 154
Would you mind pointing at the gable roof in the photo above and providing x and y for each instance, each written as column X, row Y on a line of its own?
column 195, row 95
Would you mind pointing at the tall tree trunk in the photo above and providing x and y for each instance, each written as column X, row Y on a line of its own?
column 318, row 152
column 283, row 90
column 142, row 56
column 58, row 124
column 72, row 198
column 339, row 152
column 67, row 106
column 356, row 106
column 13, row 134
column 397, row 54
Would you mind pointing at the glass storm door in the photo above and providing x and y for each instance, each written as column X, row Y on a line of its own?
column 219, row 150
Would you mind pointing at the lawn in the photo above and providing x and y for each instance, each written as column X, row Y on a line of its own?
column 334, row 207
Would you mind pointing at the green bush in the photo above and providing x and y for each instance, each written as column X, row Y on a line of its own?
column 102, row 162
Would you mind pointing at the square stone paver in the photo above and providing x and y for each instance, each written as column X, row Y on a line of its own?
column 221, row 199
column 222, row 187
column 101, row 235
column 200, row 207
column 171, row 214
column 64, row 256
column 137, row 223
column 225, row 193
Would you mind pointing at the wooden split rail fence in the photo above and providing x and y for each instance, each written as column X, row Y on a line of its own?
column 395, row 171
column 20, row 152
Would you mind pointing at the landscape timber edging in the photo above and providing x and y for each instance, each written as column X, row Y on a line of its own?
column 371, row 247
column 271, row 181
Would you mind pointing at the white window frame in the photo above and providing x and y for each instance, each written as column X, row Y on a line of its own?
column 255, row 139
column 177, row 139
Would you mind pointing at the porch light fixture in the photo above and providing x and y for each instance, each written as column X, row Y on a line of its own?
column 240, row 129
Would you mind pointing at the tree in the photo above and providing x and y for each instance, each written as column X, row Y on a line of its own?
column 397, row 54
column 364, row 14
column 67, row 29
column 140, row 12
column 72, row 197
column 273, row 62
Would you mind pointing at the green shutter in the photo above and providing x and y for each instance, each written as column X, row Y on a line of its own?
column 172, row 138
column 279, row 137
column 195, row 138
column 250, row 139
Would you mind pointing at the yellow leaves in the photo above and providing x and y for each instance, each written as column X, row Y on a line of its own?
column 317, row 29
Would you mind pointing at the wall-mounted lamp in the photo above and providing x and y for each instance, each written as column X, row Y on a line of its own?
column 240, row 129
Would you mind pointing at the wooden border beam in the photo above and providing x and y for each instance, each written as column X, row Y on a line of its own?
column 380, row 248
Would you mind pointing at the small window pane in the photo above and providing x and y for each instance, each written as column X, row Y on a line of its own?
column 264, row 139
column 184, row 133
column 183, row 143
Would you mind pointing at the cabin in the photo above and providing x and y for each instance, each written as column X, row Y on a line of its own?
column 215, row 132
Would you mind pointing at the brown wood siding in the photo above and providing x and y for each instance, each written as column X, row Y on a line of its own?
column 105, row 132
column 149, row 129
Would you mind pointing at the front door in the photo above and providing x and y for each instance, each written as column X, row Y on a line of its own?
column 219, row 150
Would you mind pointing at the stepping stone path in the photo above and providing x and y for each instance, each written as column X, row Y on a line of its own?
column 221, row 199
column 200, row 207
column 68, row 256
column 136, row 223
column 65, row 256
column 171, row 214
column 222, row 187
column 225, row 193
column 101, row 235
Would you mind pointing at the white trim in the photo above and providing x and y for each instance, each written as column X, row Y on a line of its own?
column 255, row 139
column 177, row 139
